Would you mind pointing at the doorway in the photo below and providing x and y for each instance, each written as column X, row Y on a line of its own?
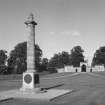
column 83, row 68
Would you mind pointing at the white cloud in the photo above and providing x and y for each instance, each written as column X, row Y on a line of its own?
column 72, row 33
column 66, row 32
column 52, row 33
column 75, row 33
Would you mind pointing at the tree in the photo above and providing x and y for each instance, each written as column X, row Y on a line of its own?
column 99, row 57
column 17, row 62
column 44, row 65
column 3, row 58
column 65, row 58
column 59, row 60
column 76, row 56
column 54, row 61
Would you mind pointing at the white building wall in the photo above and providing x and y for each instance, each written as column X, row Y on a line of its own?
column 98, row 68
column 61, row 70
column 73, row 69
column 69, row 69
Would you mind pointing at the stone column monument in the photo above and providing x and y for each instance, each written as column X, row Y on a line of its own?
column 31, row 44
column 30, row 77
column 30, row 86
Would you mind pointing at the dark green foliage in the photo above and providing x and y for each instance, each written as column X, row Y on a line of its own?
column 17, row 59
column 44, row 64
column 77, row 56
column 99, row 57
column 17, row 62
column 3, row 58
column 38, row 55
column 59, row 60
column 3, row 69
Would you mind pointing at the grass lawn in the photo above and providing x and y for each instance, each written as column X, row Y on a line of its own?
column 87, row 89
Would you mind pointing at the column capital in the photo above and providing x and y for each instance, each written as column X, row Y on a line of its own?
column 30, row 20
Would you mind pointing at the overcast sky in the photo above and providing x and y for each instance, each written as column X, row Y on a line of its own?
column 62, row 24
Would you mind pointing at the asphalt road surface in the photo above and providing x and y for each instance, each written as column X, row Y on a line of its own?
column 88, row 89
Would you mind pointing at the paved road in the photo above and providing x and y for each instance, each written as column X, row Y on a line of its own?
column 88, row 89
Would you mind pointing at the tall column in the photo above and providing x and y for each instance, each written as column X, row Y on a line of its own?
column 30, row 77
column 31, row 43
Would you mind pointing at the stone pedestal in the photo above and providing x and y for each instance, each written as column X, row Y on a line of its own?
column 30, row 80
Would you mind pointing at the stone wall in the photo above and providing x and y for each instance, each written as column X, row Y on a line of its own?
column 98, row 68
column 73, row 69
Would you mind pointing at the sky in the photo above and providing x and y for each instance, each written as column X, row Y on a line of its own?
column 62, row 24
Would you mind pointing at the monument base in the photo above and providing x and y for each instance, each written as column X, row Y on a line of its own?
column 46, row 96
column 30, row 81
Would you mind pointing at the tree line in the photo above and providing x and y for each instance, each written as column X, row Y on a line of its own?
column 16, row 62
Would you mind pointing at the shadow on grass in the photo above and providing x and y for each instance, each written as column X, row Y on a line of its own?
column 54, row 86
